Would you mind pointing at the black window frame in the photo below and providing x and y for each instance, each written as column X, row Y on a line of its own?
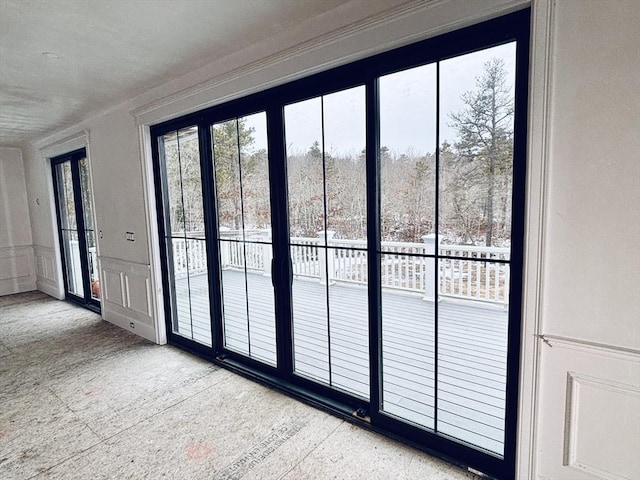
column 74, row 158
column 508, row 28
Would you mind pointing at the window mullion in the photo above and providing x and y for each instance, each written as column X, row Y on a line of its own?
column 372, row 153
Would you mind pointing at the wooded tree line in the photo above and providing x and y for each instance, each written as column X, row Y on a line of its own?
column 475, row 179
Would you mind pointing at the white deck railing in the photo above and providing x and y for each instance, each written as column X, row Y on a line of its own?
column 403, row 264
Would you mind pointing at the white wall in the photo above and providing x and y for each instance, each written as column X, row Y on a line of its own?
column 43, row 223
column 120, row 208
column 589, row 378
column 17, row 271
column 583, row 258
column 593, row 257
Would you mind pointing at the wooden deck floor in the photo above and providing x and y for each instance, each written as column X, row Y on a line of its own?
column 471, row 348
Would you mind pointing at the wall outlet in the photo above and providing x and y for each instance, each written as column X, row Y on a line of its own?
column 130, row 236
column 132, row 325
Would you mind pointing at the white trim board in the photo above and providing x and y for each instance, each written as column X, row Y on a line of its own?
column 64, row 145
column 540, row 92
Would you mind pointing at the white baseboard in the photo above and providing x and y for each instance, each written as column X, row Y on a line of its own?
column 49, row 287
column 123, row 319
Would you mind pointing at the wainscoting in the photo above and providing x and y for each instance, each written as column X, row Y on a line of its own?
column 127, row 296
column 17, row 271
column 46, row 274
column 590, row 396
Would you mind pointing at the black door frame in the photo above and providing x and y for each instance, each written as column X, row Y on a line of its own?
column 509, row 28
column 74, row 158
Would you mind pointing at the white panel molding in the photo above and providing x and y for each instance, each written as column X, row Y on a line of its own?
column 134, row 285
column 539, row 138
column 113, row 286
column 127, row 296
column 438, row 16
column 17, row 270
column 46, row 276
column 589, row 420
column 615, row 392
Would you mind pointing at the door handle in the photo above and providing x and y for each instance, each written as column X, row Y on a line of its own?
column 273, row 281
column 290, row 271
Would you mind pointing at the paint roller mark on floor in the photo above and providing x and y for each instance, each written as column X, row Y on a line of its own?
column 199, row 450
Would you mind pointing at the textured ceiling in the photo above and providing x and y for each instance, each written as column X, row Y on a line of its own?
column 111, row 50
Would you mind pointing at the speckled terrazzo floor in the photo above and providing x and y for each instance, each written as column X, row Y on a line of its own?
column 83, row 399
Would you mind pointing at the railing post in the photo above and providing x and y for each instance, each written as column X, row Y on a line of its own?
column 267, row 251
column 75, row 260
column 225, row 248
column 324, row 238
column 430, row 266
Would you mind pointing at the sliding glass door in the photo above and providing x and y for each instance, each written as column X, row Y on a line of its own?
column 74, row 204
column 356, row 238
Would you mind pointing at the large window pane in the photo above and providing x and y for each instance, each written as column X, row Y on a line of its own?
column 327, row 211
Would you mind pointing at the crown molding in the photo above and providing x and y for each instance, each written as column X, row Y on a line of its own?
column 52, row 148
column 208, row 92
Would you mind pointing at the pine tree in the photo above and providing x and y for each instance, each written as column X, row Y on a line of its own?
column 485, row 128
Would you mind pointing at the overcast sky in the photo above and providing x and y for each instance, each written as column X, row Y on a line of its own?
column 407, row 106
